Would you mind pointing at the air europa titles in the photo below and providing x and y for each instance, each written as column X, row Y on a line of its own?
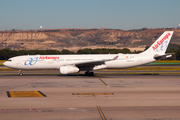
column 158, row 43
column 47, row 57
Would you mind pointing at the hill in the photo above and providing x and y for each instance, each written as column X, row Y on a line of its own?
column 75, row 39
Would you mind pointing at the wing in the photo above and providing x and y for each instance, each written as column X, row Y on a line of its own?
column 91, row 64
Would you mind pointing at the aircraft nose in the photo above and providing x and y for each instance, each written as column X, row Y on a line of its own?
column 5, row 63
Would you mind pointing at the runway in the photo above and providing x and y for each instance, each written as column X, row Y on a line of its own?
column 119, row 97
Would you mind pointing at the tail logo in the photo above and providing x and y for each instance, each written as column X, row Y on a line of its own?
column 161, row 43
column 162, row 47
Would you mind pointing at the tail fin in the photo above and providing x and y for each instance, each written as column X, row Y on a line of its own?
column 160, row 45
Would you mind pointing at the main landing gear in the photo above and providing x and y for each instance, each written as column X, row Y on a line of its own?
column 89, row 73
column 20, row 73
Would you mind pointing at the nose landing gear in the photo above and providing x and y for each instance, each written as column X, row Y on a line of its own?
column 20, row 73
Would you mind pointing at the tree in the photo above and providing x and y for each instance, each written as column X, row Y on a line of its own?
column 64, row 51
column 85, row 51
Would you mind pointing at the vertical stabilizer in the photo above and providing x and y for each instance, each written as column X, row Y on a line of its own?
column 160, row 45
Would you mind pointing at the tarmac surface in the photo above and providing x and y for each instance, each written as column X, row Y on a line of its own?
column 110, row 97
column 56, row 72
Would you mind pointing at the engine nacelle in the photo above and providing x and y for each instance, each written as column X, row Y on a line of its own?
column 68, row 69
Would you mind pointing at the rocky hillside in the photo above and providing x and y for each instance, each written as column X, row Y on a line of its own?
column 79, row 39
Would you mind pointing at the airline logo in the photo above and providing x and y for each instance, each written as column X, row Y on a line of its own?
column 32, row 61
column 161, row 43
column 46, row 57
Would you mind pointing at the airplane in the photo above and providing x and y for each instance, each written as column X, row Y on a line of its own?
column 68, row 64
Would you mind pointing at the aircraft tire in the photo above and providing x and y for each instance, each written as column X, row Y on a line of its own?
column 21, row 74
column 89, row 73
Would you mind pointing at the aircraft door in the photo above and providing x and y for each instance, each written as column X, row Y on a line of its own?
column 18, row 61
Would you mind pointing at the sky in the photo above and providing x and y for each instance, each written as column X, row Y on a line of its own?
column 112, row 14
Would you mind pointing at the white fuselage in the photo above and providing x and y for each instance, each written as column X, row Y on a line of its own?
column 28, row 62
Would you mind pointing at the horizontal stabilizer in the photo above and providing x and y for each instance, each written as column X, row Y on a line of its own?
column 160, row 57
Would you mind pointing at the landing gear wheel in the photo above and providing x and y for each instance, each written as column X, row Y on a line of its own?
column 86, row 73
column 89, row 73
column 20, row 74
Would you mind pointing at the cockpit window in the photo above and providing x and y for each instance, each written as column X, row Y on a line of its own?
column 9, row 60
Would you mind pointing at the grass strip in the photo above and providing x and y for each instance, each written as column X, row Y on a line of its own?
column 147, row 68
column 2, row 60
column 164, row 63
column 168, row 61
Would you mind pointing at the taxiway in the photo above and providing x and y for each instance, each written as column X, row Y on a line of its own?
column 120, row 97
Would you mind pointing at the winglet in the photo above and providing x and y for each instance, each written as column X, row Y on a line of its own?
column 116, row 57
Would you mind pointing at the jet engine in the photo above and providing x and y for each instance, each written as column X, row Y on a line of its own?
column 68, row 69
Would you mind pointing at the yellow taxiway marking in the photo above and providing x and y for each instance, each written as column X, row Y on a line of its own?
column 25, row 94
column 103, row 81
column 93, row 94
column 101, row 113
